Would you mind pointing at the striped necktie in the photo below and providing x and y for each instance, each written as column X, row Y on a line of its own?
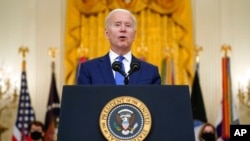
column 119, row 78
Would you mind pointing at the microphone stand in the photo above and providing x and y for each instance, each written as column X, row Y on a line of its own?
column 126, row 76
column 126, row 79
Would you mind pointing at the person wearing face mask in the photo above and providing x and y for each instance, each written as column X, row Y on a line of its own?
column 120, row 31
column 208, row 133
column 36, row 131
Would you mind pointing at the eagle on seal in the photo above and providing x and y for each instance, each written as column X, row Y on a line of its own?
column 125, row 119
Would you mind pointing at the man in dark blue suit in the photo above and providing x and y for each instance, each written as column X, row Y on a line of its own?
column 120, row 30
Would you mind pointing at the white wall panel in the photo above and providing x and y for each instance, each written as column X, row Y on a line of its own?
column 207, row 35
column 49, row 34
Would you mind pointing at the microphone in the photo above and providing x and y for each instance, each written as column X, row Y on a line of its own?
column 117, row 66
column 134, row 66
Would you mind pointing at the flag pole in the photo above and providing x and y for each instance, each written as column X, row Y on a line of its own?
column 197, row 51
column 53, row 105
column 198, row 107
column 225, row 48
column 23, row 50
column 226, row 91
column 168, row 75
column 52, row 51
column 23, row 119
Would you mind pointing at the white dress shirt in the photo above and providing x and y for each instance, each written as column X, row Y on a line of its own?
column 126, row 61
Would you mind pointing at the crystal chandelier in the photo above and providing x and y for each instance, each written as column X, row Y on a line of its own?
column 8, row 93
column 244, row 91
column 244, row 96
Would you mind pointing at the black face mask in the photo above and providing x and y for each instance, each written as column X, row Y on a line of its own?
column 36, row 135
column 208, row 136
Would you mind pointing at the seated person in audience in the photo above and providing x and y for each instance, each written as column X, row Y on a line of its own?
column 207, row 133
column 36, row 131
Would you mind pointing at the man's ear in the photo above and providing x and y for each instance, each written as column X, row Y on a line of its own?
column 106, row 33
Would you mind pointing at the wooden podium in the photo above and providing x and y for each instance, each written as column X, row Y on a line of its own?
column 169, row 107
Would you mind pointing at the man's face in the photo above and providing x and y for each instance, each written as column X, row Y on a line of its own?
column 121, row 31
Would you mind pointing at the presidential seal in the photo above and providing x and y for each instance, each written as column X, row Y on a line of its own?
column 125, row 118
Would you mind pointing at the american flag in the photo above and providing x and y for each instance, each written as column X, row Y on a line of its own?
column 25, row 113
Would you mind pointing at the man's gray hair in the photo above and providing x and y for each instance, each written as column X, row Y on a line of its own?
column 119, row 10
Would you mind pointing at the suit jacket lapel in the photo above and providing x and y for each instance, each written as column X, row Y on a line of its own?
column 134, row 78
column 106, row 69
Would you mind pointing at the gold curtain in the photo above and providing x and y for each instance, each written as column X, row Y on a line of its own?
column 161, row 24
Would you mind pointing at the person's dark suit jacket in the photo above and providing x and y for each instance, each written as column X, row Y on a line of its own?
column 99, row 72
